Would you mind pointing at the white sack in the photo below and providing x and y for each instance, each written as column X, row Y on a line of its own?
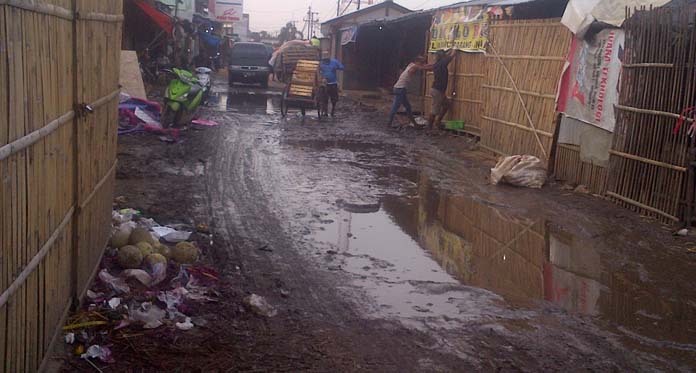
column 519, row 170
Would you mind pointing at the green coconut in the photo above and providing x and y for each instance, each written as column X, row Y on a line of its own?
column 162, row 249
column 145, row 248
column 140, row 235
column 120, row 238
column 129, row 257
column 153, row 259
column 185, row 253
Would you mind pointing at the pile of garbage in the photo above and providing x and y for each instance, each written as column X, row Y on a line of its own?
column 140, row 115
column 150, row 278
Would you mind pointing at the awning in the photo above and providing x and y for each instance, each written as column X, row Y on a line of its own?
column 161, row 19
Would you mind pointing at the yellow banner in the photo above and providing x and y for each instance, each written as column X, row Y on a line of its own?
column 464, row 28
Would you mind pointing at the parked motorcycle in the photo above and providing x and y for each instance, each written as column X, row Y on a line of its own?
column 184, row 95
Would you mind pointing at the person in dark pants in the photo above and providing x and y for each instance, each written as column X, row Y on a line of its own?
column 328, row 67
column 400, row 92
column 438, row 92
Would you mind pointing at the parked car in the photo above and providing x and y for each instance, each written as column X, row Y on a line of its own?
column 248, row 63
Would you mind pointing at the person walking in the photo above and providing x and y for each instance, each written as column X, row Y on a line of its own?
column 438, row 92
column 400, row 90
column 328, row 67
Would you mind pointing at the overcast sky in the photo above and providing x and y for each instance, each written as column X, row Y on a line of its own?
column 271, row 15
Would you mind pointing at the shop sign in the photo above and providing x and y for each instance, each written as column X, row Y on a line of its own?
column 227, row 11
column 463, row 28
column 594, row 78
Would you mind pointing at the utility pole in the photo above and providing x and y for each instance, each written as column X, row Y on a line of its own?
column 310, row 22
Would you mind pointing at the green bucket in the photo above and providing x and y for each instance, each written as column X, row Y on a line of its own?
column 454, row 124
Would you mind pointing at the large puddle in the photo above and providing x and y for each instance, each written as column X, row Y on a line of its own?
column 429, row 256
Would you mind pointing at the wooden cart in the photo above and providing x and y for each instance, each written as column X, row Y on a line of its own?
column 302, row 89
column 290, row 57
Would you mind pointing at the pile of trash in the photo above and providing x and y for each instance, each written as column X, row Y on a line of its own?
column 150, row 278
column 140, row 115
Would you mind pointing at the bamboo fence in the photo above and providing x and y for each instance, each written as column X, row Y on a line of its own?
column 473, row 240
column 56, row 163
column 466, row 75
column 569, row 167
column 648, row 162
column 524, row 64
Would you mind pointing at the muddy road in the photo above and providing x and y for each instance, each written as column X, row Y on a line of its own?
column 387, row 250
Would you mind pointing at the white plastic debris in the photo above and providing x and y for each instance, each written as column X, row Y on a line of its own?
column 170, row 234
column 519, row 170
column 142, row 276
column 163, row 231
column 114, row 303
column 149, row 314
column 177, row 236
column 69, row 338
column 101, row 352
column 173, row 299
column 260, row 305
column 116, row 283
column 186, row 325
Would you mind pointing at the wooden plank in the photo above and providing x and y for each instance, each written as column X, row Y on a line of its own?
column 130, row 78
column 5, row 222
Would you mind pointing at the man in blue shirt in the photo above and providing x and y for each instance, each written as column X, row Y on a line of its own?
column 328, row 68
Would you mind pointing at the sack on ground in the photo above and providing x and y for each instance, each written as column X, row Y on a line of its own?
column 519, row 170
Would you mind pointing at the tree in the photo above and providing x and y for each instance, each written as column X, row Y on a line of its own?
column 289, row 32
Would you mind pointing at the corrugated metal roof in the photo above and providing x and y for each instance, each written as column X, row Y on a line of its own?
column 485, row 3
column 368, row 9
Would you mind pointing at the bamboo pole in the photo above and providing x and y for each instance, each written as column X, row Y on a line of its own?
column 43, row 8
column 527, row 57
column 642, row 206
column 36, row 260
column 526, row 93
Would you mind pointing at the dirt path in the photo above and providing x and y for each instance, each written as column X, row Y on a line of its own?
column 387, row 251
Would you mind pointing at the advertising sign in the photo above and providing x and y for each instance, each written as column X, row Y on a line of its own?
column 594, row 79
column 227, row 11
column 464, row 28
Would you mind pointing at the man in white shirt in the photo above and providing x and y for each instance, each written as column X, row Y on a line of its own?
column 400, row 94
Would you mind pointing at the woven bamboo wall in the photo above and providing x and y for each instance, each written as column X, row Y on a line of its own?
column 534, row 52
column 56, row 189
column 648, row 162
column 466, row 75
column 570, row 168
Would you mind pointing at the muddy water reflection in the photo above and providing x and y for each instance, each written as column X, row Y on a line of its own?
column 415, row 254
column 247, row 102
column 528, row 258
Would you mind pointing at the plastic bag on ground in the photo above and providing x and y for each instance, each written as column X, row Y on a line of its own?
column 519, row 170
column 116, row 283
column 148, row 314
column 260, row 305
